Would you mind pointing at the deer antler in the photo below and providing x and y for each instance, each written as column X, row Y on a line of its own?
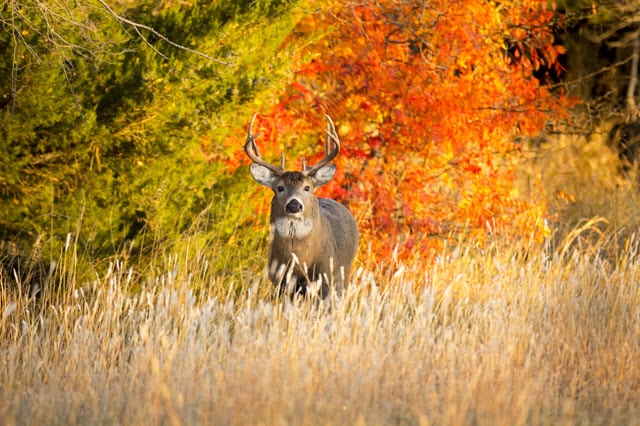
column 251, row 148
column 331, row 149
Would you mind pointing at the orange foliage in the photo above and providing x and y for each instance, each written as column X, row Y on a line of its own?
column 428, row 97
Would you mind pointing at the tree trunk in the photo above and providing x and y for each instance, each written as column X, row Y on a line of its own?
column 633, row 82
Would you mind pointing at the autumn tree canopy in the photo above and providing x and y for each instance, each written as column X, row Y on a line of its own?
column 112, row 133
column 103, row 122
column 430, row 97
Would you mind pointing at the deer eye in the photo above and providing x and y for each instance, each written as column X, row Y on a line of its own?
column 280, row 188
column 307, row 188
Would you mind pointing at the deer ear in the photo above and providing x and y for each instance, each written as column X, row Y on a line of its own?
column 262, row 175
column 323, row 175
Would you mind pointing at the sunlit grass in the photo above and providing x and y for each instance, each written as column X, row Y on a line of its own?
column 474, row 337
column 507, row 334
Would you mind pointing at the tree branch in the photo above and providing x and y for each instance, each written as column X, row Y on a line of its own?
column 631, row 91
column 137, row 26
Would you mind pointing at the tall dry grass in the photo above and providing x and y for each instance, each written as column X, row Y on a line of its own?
column 504, row 335
column 590, row 194
column 474, row 338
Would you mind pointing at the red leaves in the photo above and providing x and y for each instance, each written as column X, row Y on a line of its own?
column 427, row 97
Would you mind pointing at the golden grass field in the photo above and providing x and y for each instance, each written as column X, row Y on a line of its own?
column 493, row 336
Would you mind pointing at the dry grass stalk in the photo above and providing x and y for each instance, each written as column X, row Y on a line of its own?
column 473, row 338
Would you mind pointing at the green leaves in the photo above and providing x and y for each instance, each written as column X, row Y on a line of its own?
column 110, row 129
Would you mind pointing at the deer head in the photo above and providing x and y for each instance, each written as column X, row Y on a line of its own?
column 266, row 174
column 293, row 191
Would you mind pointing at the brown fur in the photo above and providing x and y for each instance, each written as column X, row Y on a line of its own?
column 325, row 254
column 314, row 240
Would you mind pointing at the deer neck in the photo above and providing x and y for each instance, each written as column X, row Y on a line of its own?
column 299, row 239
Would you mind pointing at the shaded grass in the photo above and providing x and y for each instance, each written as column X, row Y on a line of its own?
column 593, row 203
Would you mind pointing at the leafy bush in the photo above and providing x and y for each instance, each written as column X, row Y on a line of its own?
column 112, row 133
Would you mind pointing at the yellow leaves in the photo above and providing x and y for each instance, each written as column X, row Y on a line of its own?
column 344, row 129
column 372, row 129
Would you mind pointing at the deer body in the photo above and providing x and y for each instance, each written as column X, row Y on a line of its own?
column 313, row 240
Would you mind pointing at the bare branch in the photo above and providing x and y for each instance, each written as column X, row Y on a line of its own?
column 137, row 26
column 608, row 33
column 626, row 40
column 593, row 74
column 631, row 90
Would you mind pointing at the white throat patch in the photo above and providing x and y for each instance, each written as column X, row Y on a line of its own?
column 293, row 227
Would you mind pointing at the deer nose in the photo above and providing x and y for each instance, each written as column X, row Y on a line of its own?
column 294, row 206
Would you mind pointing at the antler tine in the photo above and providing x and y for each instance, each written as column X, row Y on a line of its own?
column 332, row 135
column 329, row 152
column 249, row 135
column 251, row 148
column 330, row 128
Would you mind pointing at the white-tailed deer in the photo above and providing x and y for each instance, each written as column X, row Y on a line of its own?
column 313, row 239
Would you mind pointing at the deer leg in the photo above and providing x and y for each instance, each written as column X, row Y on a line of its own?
column 301, row 287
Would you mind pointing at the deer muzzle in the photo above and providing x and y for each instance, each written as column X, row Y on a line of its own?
column 294, row 206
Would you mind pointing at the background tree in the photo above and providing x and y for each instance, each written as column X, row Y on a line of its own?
column 116, row 129
column 603, row 45
column 107, row 126
column 430, row 98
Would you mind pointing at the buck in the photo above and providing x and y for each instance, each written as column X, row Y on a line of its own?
column 313, row 240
